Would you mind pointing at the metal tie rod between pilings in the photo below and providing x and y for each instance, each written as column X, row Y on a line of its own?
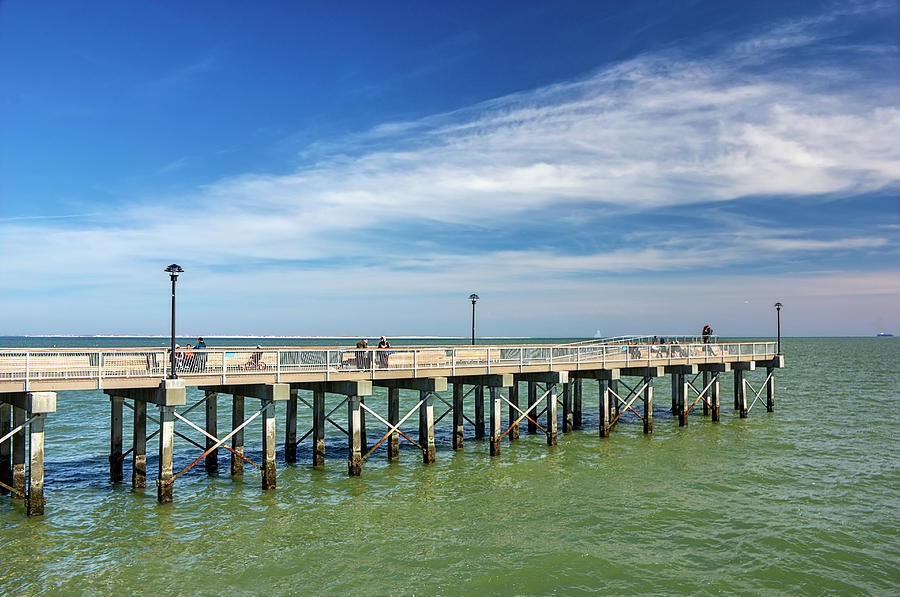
column 524, row 414
column 700, row 395
column 11, row 489
column 222, row 441
column 17, row 429
column 392, row 428
column 451, row 408
column 327, row 418
column 758, row 395
column 636, row 395
column 155, row 433
column 214, row 438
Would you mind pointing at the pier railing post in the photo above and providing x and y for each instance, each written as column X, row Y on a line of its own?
column 458, row 416
column 648, row 405
column 318, row 452
column 211, row 464
column 290, row 428
column 34, row 502
column 494, row 419
column 139, row 446
column 115, row 438
column 354, row 445
column 237, row 440
column 479, row 412
column 393, row 442
column 426, row 426
column 513, row 410
column 604, row 408
column 268, row 444
column 164, row 482
column 552, row 428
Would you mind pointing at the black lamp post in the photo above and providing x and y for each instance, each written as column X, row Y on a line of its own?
column 778, row 310
column 473, row 297
column 173, row 270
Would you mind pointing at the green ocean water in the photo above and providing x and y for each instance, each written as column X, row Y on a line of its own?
column 805, row 500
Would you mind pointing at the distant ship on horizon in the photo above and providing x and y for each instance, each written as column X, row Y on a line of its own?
column 883, row 334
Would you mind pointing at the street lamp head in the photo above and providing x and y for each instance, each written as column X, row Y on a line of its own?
column 174, row 270
column 473, row 297
column 778, row 306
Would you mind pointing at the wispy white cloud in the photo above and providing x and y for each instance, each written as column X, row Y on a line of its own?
column 660, row 131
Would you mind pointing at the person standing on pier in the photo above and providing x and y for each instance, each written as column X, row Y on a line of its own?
column 383, row 356
column 707, row 332
column 361, row 361
column 201, row 358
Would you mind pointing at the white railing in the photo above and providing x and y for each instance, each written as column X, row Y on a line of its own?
column 232, row 363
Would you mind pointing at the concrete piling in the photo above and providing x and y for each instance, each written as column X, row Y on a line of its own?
column 426, row 426
column 770, row 389
column 211, row 463
column 706, row 380
column 567, row 417
column 318, row 451
column 576, row 403
column 164, row 481
column 552, row 431
column 513, row 411
column 354, row 445
column 495, row 411
column 268, row 444
column 393, row 442
column 682, row 399
column 237, row 440
column 457, row 416
column 648, row 405
column 139, row 446
column 19, row 481
column 290, row 428
column 34, row 502
column 115, row 438
column 714, row 398
column 479, row 411
column 604, row 408
column 532, row 398
column 5, row 448
column 740, row 392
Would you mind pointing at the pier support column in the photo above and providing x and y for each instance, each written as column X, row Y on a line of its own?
column 740, row 390
column 675, row 400
column 513, row 413
column 211, row 463
column 164, row 482
column 19, row 481
column 567, row 419
column 458, row 416
column 770, row 389
column 714, row 398
column 616, row 406
column 5, row 447
column 139, row 446
column 496, row 406
column 237, row 440
column 290, row 428
column 115, row 438
column 318, row 451
column 682, row 399
column 532, row 398
column 426, row 426
column 363, row 443
column 604, row 408
column 552, row 431
column 393, row 442
column 648, row 405
column 479, row 412
column 354, row 445
column 34, row 502
column 706, row 378
column 268, row 444
column 576, row 403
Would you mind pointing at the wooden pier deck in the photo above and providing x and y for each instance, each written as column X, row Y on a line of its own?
column 554, row 374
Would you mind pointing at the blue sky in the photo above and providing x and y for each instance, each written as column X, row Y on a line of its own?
column 361, row 168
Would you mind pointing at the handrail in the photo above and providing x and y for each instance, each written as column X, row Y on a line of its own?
column 231, row 363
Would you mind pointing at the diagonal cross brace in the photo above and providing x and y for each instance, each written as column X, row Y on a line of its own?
column 392, row 428
column 524, row 413
column 758, row 394
column 214, row 438
column 219, row 443
column 634, row 395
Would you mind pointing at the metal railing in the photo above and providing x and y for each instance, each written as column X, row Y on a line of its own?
column 232, row 363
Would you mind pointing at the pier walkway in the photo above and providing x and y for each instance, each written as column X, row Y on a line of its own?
column 553, row 374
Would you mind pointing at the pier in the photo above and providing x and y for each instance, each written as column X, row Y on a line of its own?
column 553, row 376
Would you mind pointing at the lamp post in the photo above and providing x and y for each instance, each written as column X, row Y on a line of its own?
column 473, row 297
column 173, row 270
column 778, row 310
